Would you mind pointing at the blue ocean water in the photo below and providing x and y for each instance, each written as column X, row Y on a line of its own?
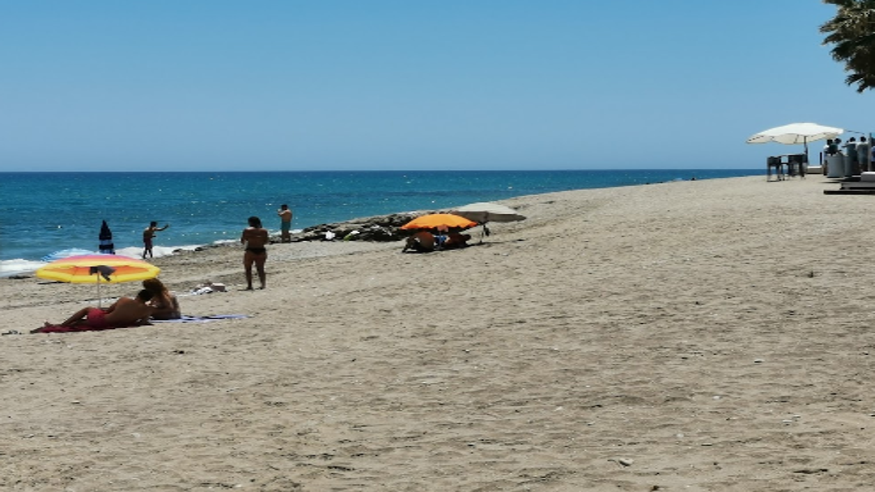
column 43, row 213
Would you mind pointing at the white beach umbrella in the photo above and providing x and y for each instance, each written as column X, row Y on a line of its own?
column 484, row 212
column 796, row 133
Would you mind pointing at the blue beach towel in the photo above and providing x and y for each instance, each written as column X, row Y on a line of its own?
column 199, row 319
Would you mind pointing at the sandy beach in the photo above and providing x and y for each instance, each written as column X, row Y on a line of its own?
column 711, row 335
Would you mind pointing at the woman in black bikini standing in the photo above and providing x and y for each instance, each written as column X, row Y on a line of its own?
column 255, row 238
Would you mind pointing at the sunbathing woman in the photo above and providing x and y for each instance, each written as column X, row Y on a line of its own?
column 123, row 313
column 163, row 301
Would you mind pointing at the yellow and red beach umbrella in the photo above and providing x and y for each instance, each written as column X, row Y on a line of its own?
column 97, row 269
column 438, row 221
column 85, row 269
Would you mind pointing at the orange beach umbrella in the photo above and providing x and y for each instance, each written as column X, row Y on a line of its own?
column 435, row 221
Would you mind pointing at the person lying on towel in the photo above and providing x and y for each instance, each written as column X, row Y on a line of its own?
column 421, row 242
column 456, row 240
column 123, row 313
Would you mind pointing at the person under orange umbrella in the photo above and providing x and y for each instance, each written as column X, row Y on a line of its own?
column 421, row 242
column 440, row 223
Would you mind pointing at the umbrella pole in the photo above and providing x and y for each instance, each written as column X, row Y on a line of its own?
column 485, row 229
column 805, row 142
column 99, row 297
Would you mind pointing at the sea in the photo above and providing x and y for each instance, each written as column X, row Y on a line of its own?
column 50, row 215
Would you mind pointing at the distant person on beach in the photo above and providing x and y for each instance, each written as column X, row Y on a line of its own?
column 286, row 223
column 831, row 148
column 851, row 153
column 864, row 149
column 164, row 303
column 148, row 234
column 255, row 237
column 121, row 314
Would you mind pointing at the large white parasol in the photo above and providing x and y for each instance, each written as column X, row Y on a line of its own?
column 484, row 212
column 795, row 134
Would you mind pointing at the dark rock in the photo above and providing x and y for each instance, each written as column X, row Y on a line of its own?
column 380, row 228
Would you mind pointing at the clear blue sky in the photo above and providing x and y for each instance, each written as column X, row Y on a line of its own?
column 205, row 85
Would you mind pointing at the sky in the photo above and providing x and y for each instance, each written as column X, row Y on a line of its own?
column 219, row 85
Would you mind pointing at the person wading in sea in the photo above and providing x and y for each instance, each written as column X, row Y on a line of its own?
column 286, row 223
column 148, row 234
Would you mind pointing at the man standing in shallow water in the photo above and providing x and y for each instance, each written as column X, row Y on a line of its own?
column 286, row 225
column 148, row 234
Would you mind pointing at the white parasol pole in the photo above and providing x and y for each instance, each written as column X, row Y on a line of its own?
column 805, row 141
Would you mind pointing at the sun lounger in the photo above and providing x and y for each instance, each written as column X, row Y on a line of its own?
column 865, row 185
